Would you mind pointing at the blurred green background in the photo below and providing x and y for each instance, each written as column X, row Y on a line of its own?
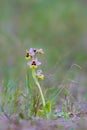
column 59, row 27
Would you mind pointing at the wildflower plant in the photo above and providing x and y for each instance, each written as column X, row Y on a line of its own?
column 33, row 64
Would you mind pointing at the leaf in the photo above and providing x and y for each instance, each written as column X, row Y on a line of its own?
column 47, row 107
column 45, row 112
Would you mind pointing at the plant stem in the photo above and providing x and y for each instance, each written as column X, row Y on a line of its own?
column 38, row 85
column 28, row 84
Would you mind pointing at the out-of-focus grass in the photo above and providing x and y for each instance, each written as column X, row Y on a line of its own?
column 57, row 26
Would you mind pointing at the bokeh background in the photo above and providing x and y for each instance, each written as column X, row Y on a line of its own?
column 59, row 27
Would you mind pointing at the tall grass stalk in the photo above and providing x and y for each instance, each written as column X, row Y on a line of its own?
column 28, row 84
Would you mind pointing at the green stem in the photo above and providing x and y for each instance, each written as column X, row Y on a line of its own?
column 38, row 85
column 28, row 84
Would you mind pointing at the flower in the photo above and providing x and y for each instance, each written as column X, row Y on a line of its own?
column 34, row 63
column 30, row 53
column 28, row 56
column 39, row 74
column 40, row 51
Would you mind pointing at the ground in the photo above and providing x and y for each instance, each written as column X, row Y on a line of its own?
column 75, row 122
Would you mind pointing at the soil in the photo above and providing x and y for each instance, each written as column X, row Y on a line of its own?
column 75, row 122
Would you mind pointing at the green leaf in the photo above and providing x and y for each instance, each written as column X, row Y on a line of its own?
column 46, row 111
column 47, row 107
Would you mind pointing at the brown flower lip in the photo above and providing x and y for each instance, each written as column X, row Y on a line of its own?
column 33, row 63
column 27, row 55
